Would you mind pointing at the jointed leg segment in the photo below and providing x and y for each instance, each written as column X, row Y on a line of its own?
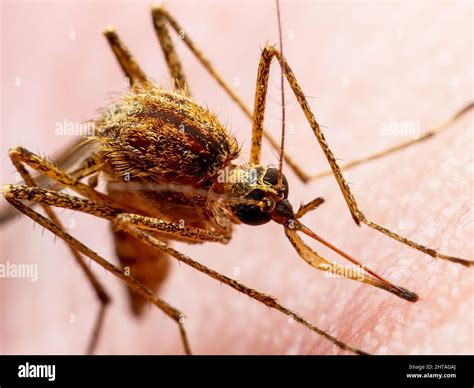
column 266, row 58
column 122, row 221
column 18, row 159
column 146, row 228
column 139, row 227
column 127, row 62
column 131, row 69
column 254, row 294
column 398, row 147
column 160, row 19
column 129, row 281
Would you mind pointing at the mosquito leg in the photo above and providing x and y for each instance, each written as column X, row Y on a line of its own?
column 266, row 58
column 136, row 76
column 127, row 62
column 173, row 229
column 102, row 296
column 263, row 73
column 425, row 136
column 85, row 169
column 129, row 281
column 122, row 223
column 161, row 17
column 65, row 160
column 20, row 155
column 359, row 272
column 49, row 197
column 63, row 200
column 131, row 223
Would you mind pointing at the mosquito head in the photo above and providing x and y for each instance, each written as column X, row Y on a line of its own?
column 259, row 184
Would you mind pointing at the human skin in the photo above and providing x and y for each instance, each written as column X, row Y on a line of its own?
column 363, row 65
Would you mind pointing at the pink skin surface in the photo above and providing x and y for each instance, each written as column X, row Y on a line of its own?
column 363, row 65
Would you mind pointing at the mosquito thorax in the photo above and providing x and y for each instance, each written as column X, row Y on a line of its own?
column 259, row 184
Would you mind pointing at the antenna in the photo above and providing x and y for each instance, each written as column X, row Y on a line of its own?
column 283, row 113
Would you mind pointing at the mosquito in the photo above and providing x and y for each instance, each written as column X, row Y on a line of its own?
column 165, row 159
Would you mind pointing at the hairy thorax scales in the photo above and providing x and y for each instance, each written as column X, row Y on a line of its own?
column 150, row 141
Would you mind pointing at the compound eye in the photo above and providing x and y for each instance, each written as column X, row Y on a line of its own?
column 271, row 177
column 252, row 214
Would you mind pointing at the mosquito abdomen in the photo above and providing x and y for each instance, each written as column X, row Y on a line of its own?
column 147, row 265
